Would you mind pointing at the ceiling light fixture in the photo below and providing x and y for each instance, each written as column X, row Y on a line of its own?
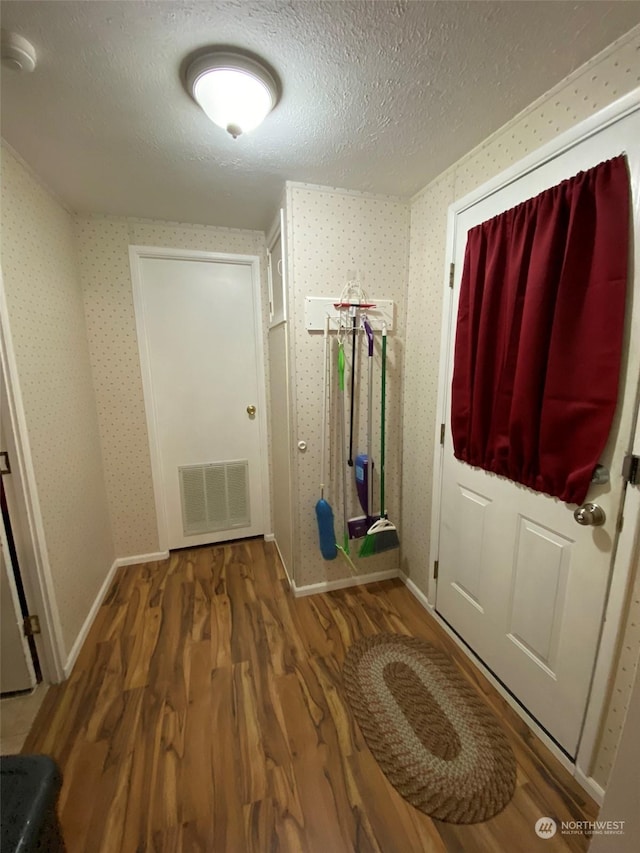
column 236, row 91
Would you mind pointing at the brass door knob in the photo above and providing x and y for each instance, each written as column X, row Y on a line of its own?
column 251, row 410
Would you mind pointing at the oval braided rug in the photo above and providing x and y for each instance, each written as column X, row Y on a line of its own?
column 436, row 741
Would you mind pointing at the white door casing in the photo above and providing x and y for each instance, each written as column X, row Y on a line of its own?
column 199, row 324
column 521, row 582
column 16, row 666
column 24, row 508
column 280, row 392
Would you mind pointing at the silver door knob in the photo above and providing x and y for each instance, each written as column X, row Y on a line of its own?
column 590, row 514
column 251, row 410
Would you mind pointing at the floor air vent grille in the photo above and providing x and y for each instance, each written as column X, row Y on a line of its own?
column 214, row 496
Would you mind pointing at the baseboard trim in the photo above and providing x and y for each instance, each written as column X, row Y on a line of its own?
column 343, row 583
column 88, row 622
column 415, row 591
column 282, row 563
column 590, row 785
column 586, row 782
column 269, row 537
column 142, row 558
column 102, row 592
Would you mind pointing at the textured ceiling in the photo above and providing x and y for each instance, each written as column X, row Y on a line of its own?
column 377, row 96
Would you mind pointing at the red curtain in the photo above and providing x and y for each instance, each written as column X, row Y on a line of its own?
column 539, row 333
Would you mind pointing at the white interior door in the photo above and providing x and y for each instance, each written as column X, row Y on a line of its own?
column 519, row 580
column 204, row 393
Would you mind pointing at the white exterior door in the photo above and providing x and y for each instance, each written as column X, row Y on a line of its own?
column 520, row 580
column 203, row 374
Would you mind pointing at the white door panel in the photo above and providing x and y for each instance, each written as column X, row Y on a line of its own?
column 521, row 582
column 198, row 321
column 542, row 560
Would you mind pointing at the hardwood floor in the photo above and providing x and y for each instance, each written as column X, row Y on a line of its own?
column 206, row 713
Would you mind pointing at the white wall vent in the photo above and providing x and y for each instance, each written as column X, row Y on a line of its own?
column 215, row 496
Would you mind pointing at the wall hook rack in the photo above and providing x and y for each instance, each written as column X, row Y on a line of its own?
column 316, row 308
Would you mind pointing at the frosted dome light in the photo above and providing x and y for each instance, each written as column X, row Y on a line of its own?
column 236, row 92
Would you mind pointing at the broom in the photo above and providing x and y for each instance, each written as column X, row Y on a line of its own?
column 382, row 535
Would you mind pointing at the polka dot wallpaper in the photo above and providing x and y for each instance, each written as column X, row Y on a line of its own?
column 69, row 290
column 607, row 77
column 46, row 315
column 333, row 235
column 620, row 688
column 103, row 251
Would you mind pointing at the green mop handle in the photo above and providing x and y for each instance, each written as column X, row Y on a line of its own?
column 341, row 367
column 345, row 513
column 383, row 514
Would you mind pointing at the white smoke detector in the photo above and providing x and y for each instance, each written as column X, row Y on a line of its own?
column 17, row 53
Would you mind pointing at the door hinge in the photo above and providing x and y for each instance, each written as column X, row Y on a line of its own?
column 631, row 469
column 5, row 466
column 442, row 433
column 31, row 626
column 436, row 566
column 270, row 278
column 452, row 272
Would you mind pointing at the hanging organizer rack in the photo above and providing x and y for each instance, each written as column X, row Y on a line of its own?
column 379, row 312
column 339, row 305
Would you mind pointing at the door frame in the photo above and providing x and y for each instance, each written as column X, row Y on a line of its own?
column 36, row 574
column 623, row 563
column 10, row 570
column 136, row 255
column 279, row 230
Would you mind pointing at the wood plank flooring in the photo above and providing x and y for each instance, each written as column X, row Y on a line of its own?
column 206, row 713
